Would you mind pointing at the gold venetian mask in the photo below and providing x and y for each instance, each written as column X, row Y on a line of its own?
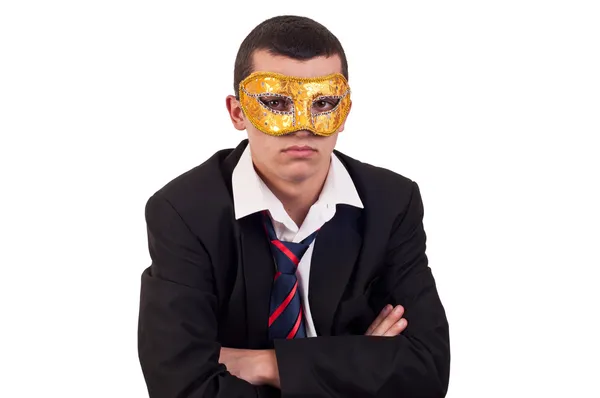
column 277, row 104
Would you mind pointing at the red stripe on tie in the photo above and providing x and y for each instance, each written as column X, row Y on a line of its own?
column 286, row 251
column 283, row 305
column 276, row 276
column 294, row 330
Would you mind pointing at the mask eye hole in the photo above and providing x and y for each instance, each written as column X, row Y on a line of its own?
column 277, row 103
column 324, row 104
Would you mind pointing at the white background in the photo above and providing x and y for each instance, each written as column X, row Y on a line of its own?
column 492, row 107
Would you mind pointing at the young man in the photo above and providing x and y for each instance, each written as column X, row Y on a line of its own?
column 285, row 268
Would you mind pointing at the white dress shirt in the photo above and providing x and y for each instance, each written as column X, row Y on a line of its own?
column 251, row 195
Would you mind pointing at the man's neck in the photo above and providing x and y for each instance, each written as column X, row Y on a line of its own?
column 296, row 196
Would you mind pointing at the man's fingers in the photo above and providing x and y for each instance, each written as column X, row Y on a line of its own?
column 389, row 321
column 396, row 328
column 382, row 315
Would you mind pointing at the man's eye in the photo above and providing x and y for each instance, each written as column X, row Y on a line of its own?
column 277, row 104
column 325, row 104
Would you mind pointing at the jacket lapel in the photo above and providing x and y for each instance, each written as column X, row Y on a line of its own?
column 259, row 271
column 335, row 253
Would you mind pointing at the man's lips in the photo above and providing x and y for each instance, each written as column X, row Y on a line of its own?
column 298, row 148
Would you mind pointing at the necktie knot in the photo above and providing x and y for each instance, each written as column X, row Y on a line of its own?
column 288, row 255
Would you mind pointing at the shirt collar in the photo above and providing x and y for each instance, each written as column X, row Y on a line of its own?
column 251, row 194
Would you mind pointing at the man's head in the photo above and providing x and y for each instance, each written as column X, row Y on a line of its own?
column 291, row 46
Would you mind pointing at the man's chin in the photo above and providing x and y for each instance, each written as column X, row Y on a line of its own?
column 299, row 174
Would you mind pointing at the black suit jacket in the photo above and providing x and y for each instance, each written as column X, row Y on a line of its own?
column 209, row 286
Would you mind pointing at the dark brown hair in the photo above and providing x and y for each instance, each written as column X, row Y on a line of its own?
column 290, row 36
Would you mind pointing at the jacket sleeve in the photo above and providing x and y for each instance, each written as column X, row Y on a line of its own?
column 414, row 364
column 177, row 327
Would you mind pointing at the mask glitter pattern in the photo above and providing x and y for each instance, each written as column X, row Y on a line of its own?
column 302, row 92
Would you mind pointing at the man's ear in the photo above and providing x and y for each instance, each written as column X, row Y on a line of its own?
column 344, row 122
column 236, row 114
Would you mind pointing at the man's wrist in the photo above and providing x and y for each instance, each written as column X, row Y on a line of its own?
column 269, row 369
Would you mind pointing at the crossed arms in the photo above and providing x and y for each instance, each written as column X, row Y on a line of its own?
column 259, row 367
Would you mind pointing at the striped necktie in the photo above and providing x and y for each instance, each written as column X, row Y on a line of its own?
column 286, row 318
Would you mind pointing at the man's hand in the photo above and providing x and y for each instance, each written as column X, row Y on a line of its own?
column 257, row 367
column 389, row 322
